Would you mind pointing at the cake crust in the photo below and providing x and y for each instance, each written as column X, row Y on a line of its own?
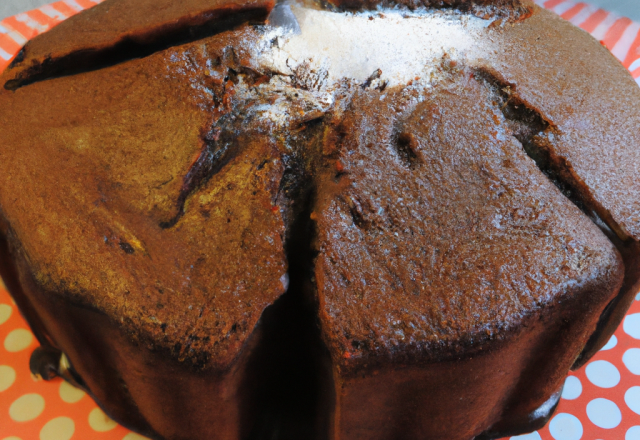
column 163, row 284
column 117, row 30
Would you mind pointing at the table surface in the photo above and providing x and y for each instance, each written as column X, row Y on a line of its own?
column 628, row 8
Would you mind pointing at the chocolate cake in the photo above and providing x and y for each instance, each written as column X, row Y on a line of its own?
column 352, row 220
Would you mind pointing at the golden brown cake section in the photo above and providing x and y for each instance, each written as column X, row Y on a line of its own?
column 116, row 247
column 231, row 236
column 119, row 272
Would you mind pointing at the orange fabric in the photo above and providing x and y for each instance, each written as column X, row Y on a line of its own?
column 43, row 19
column 569, row 14
column 14, row 24
column 552, row 3
column 64, row 8
column 86, row 3
column 634, row 53
column 615, row 32
column 591, row 23
column 8, row 44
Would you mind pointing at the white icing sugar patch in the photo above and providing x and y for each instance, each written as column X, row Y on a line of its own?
column 339, row 45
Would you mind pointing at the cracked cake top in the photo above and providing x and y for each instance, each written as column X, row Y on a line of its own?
column 422, row 146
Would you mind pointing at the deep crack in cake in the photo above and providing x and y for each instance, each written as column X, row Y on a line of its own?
column 352, row 220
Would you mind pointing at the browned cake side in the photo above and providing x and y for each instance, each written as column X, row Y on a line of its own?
column 222, row 254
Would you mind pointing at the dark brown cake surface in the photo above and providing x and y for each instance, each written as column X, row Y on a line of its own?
column 426, row 201
column 175, row 286
column 117, row 30
column 602, row 163
column 327, row 224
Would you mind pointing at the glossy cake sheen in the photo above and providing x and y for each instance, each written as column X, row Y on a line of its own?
column 359, row 220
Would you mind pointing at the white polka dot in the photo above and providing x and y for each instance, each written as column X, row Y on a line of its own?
column 100, row 422
column 18, row 340
column 613, row 341
column 27, row 407
column 532, row 436
column 631, row 360
column 604, row 413
column 632, row 399
column 7, row 377
column 61, row 428
column 565, row 427
column 134, row 436
column 633, row 433
column 572, row 388
column 69, row 393
column 5, row 312
column 631, row 325
column 603, row 374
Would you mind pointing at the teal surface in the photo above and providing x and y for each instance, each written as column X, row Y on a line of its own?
column 628, row 8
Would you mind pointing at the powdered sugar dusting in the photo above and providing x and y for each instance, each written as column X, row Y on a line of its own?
column 317, row 56
column 402, row 44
